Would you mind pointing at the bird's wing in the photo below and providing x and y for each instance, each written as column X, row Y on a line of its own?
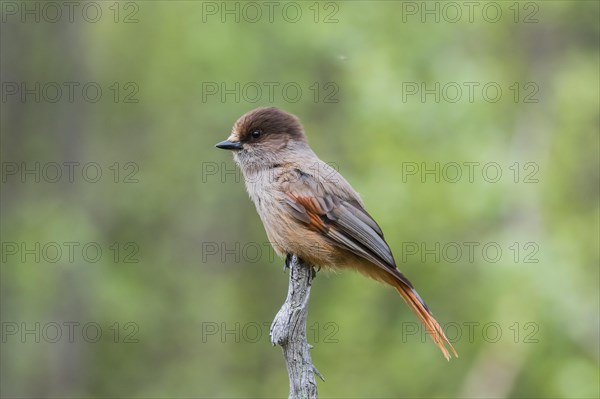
column 340, row 218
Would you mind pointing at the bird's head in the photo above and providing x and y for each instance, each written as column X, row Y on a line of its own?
column 263, row 136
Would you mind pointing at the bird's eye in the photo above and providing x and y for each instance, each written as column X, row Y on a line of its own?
column 256, row 133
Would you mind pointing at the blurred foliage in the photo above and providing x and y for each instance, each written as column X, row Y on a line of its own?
column 177, row 210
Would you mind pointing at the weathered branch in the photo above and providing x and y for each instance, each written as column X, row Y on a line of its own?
column 289, row 331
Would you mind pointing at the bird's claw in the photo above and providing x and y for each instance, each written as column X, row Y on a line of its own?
column 288, row 260
column 314, row 272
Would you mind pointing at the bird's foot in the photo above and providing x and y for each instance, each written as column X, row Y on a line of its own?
column 288, row 260
column 314, row 272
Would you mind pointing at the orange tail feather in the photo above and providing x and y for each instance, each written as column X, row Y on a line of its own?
column 433, row 328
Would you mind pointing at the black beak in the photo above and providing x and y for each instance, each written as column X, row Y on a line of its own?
column 229, row 145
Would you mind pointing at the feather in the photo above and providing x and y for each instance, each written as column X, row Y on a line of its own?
column 348, row 226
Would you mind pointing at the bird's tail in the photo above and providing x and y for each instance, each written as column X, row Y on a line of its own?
column 406, row 290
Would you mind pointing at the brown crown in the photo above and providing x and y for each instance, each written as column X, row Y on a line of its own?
column 270, row 121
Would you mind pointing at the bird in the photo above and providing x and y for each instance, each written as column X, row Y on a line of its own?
column 310, row 210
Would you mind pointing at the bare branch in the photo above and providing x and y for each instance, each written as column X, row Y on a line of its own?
column 289, row 331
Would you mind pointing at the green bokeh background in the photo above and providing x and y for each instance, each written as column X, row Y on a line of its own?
column 187, row 200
